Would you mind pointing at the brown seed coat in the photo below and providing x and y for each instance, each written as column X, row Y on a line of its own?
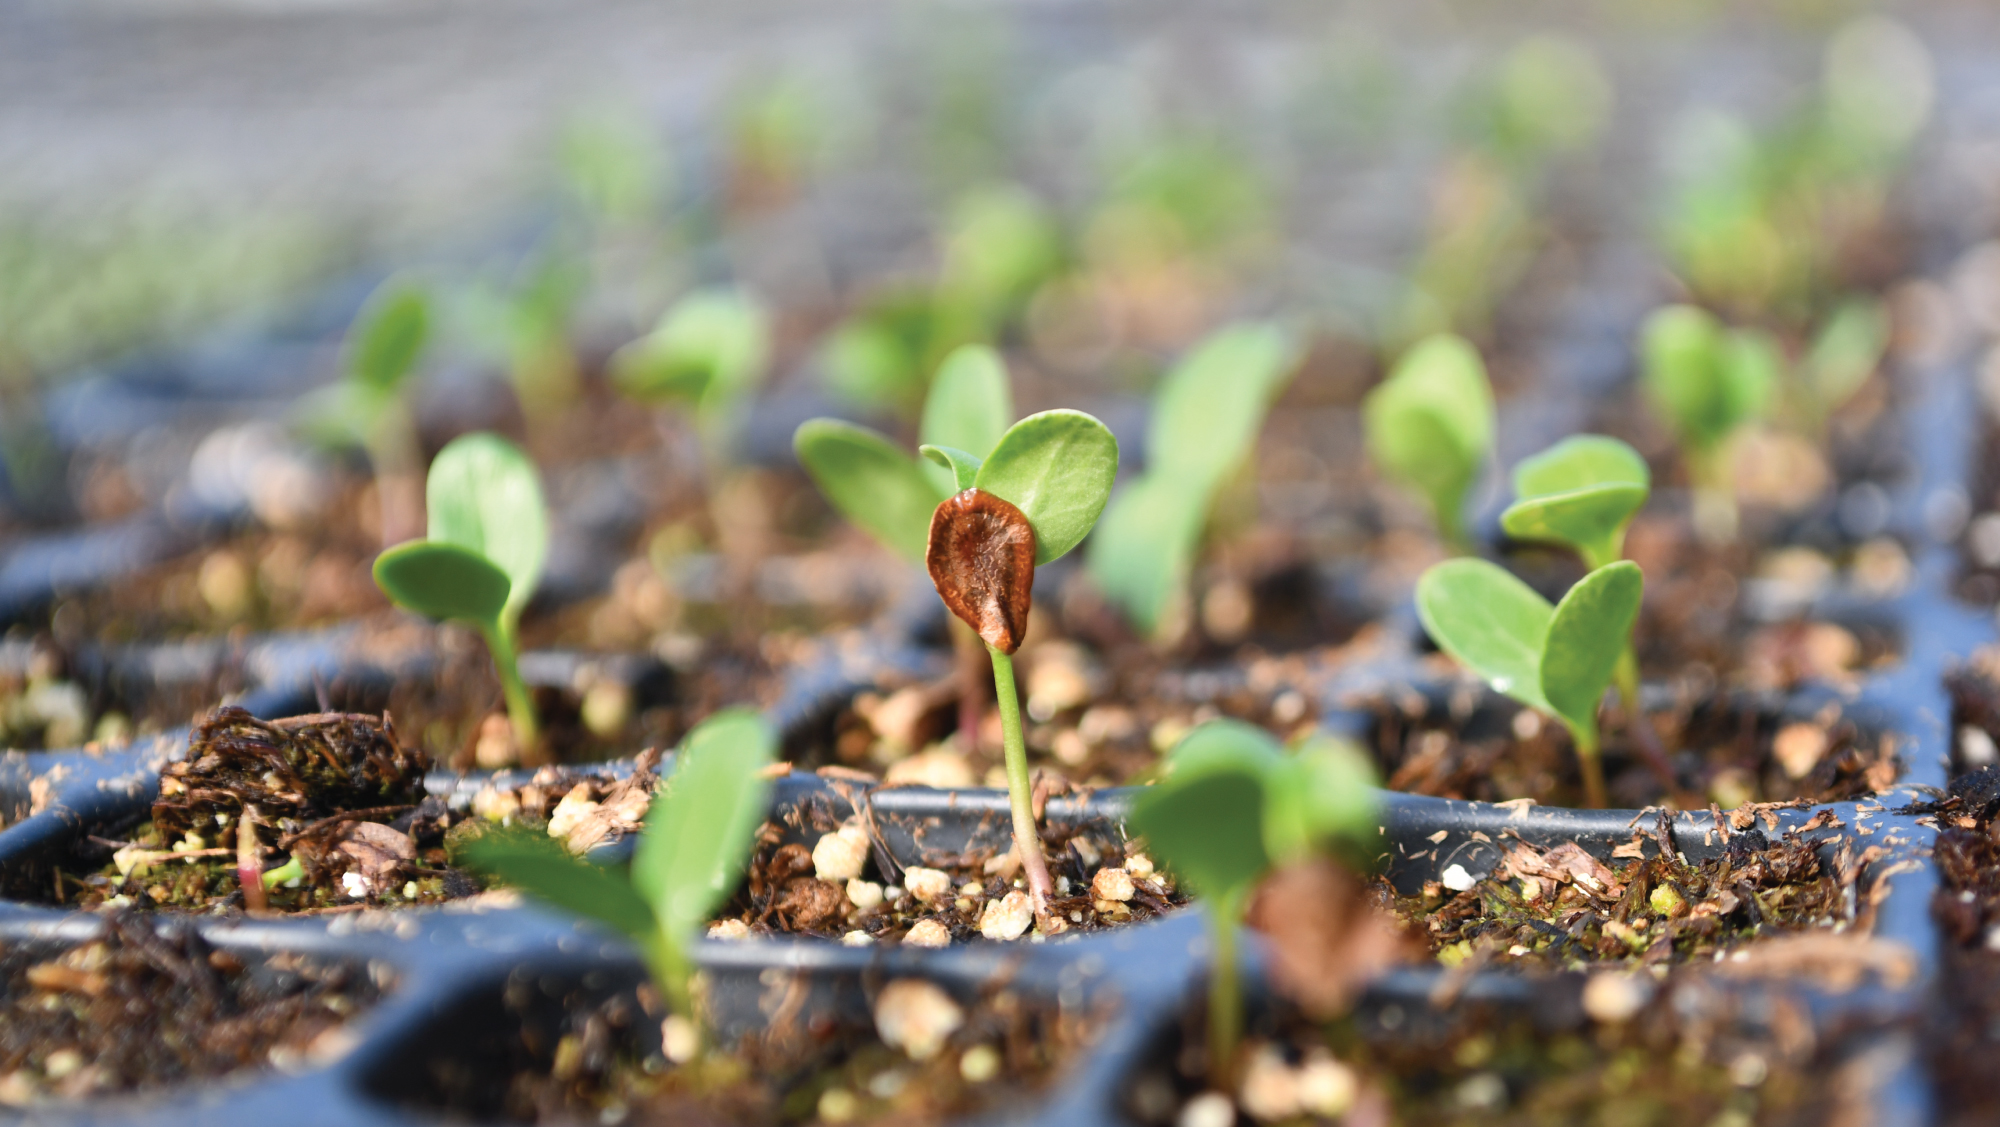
column 982, row 558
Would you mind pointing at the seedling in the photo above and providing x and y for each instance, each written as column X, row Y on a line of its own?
column 1029, row 500
column 488, row 538
column 1557, row 660
column 698, row 835
column 891, row 495
column 709, row 353
column 1844, row 353
column 1707, row 381
column 1430, row 427
column 368, row 406
column 1206, row 417
column 1234, row 807
column 1582, row 493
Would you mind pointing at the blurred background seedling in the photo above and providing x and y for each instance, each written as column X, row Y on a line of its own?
column 1207, row 414
column 1707, row 382
column 1430, row 428
column 369, row 406
column 488, row 538
column 1557, row 660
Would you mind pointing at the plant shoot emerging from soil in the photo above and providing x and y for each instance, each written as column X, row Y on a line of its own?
column 1557, row 660
column 1233, row 808
column 488, row 539
column 1582, row 493
column 368, row 406
column 1030, row 501
column 1430, row 427
column 698, row 834
column 1707, row 381
column 710, row 352
column 1206, row 417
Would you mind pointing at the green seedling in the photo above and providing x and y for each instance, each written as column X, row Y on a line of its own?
column 1430, row 427
column 1707, row 381
column 709, row 353
column 1032, row 497
column 891, row 495
column 1232, row 808
column 698, row 835
column 1557, row 660
column 488, row 538
column 1761, row 218
column 1206, row 417
column 369, row 405
column 1844, row 353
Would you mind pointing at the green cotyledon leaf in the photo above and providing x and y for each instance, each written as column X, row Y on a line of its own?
column 1581, row 492
column 871, row 482
column 1145, row 548
column 968, row 408
column 1429, row 426
column 485, row 495
column 963, row 467
column 1587, row 633
column 539, row 866
column 1057, row 468
column 443, row 581
column 1491, row 622
column 700, row 827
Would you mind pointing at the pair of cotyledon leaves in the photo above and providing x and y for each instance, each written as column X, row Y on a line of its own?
column 1557, row 659
column 488, row 537
column 710, row 350
column 1056, row 466
column 698, row 833
column 1234, row 804
column 383, row 348
column 1206, row 416
column 1430, row 425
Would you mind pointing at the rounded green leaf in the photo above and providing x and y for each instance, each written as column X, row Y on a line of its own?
column 710, row 348
column 1144, row 549
column 389, row 336
column 871, row 482
column 1491, row 622
column 1590, row 520
column 1579, row 462
column 484, row 494
column 1057, row 468
column 969, row 407
column 1681, row 360
column 442, row 581
column 1209, row 409
column 1847, row 351
column 1430, row 424
column 962, row 469
column 1586, row 636
column 702, row 821
column 1207, row 826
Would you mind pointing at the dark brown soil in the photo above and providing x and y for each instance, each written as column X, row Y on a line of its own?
column 1727, row 751
column 141, row 1010
column 815, row 1064
column 1561, row 908
column 1659, row 1066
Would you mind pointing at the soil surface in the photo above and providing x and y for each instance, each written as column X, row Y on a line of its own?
column 1562, row 908
column 991, row 1052
column 1965, row 1036
column 142, row 1009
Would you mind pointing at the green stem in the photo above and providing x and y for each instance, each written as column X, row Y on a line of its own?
column 520, row 706
column 1225, row 991
column 1027, row 842
column 1627, row 676
column 1715, row 516
column 671, row 970
column 1585, row 736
